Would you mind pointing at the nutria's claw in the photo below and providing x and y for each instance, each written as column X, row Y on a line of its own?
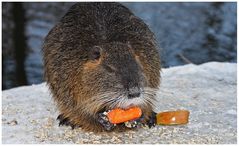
column 103, row 120
column 65, row 121
column 152, row 121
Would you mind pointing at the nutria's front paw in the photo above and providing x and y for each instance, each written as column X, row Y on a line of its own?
column 152, row 120
column 103, row 120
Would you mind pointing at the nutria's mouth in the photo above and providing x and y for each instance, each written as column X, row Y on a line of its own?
column 128, row 103
column 123, row 104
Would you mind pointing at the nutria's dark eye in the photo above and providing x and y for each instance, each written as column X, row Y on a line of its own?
column 95, row 53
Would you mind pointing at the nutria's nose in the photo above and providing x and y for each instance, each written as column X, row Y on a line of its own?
column 134, row 92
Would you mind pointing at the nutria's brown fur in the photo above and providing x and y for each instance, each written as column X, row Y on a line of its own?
column 100, row 56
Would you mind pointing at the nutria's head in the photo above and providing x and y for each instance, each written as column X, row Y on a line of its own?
column 113, row 77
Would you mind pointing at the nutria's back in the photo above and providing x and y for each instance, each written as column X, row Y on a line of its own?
column 100, row 56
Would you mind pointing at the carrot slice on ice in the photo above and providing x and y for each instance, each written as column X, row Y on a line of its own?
column 173, row 117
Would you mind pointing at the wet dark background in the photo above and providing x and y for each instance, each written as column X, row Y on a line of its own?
column 187, row 33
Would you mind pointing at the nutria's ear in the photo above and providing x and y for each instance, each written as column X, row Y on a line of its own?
column 95, row 53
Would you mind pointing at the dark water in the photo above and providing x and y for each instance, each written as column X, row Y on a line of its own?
column 186, row 32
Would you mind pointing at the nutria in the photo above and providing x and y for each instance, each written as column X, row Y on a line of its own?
column 101, row 56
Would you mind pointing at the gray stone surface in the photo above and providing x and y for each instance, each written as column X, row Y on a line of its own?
column 208, row 91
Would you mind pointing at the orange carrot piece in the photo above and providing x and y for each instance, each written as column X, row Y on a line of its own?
column 173, row 117
column 116, row 116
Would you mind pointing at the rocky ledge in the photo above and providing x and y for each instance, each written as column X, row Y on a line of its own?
column 208, row 91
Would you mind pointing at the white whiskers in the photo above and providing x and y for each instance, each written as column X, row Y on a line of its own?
column 120, row 100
